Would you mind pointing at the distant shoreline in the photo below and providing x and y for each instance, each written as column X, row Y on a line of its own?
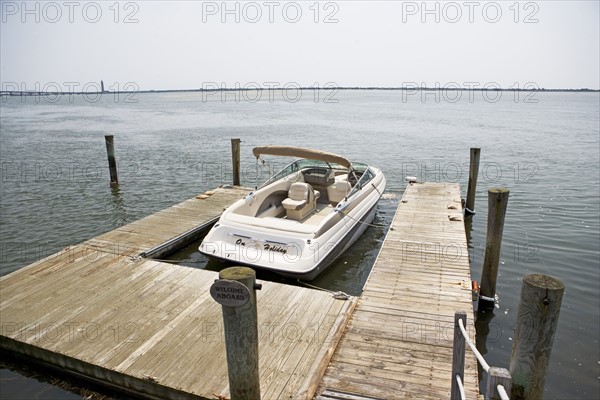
column 418, row 89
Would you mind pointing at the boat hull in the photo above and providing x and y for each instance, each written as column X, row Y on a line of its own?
column 322, row 264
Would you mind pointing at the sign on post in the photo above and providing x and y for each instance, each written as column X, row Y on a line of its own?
column 230, row 293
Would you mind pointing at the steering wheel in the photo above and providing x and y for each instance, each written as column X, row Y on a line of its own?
column 353, row 177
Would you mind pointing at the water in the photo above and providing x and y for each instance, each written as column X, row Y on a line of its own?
column 173, row 146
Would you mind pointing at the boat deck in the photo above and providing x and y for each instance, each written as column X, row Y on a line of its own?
column 317, row 216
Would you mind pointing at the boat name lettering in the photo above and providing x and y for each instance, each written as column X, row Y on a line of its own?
column 276, row 249
column 266, row 246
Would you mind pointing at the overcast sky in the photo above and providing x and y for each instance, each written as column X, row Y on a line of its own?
column 194, row 44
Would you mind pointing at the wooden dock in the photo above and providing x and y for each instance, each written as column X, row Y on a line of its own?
column 100, row 311
column 398, row 344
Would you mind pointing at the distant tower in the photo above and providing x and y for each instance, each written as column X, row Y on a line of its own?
column 102, row 86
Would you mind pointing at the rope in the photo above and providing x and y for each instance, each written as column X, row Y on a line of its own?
column 480, row 358
column 469, row 211
column 140, row 258
column 461, row 388
column 502, row 392
column 484, row 365
column 495, row 299
column 167, row 261
column 492, row 299
column 339, row 295
column 377, row 190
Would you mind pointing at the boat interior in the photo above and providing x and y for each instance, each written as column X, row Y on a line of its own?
column 305, row 192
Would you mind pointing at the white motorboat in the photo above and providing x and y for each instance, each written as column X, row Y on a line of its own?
column 303, row 218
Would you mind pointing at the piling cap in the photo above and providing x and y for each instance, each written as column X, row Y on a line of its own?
column 544, row 282
column 235, row 273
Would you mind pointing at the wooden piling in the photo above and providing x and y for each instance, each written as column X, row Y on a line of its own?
column 112, row 162
column 235, row 159
column 472, row 187
column 497, row 202
column 458, row 355
column 537, row 318
column 241, row 337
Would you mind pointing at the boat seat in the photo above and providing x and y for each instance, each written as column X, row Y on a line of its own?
column 338, row 191
column 301, row 201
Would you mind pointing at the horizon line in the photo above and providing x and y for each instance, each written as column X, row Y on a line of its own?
column 357, row 88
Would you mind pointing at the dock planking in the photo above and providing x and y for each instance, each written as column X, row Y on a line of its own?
column 151, row 328
column 398, row 343
column 100, row 311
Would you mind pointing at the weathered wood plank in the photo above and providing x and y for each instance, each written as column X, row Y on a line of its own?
column 398, row 344
column 151, row 327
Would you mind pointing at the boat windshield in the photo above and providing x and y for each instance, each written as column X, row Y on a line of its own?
column 299, row 165
column 364, row 174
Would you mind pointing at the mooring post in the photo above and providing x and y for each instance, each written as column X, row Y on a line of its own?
column 235, row 290
column 497, row 202
column 537, row 319
column 458, row 355
column 472, row 187
column 112, row 162
column 235, row 159
column 497, row 376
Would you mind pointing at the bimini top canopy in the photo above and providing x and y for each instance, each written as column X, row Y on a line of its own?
column 290, row 151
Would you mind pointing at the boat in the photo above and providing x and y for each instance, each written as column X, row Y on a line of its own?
column 302, row 219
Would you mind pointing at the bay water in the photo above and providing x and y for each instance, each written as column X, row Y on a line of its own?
column 544, row 147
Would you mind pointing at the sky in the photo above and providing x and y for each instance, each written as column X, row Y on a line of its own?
column 157, row 45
